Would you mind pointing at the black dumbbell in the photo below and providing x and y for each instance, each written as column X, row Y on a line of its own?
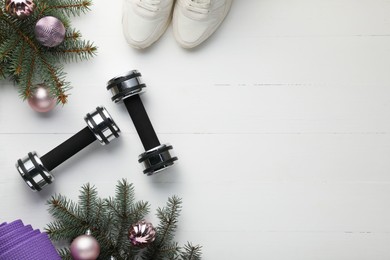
column 127, row 88
column 35, row 170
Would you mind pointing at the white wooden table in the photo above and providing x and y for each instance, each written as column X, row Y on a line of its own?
column 281, row 122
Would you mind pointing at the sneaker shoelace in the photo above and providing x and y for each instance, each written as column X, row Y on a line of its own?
column 199, row 6
column 150, row 5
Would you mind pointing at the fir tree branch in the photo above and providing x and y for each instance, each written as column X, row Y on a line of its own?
column 42, row 7
column 23, row 36
column 168, row 217
column 109, row 221
column 59, row 85
column 139, row 210
column 191, row 252
column 67, row 7
column 9, row 48
column 70, row 7
column 100, row 212
column 2, row 68
column 27, row 92
column 65, row 254
column 89, row 49
column 72, row 35
column 58, row 230
column 121, row 208
column 84, row 4
column 107, row 245
column 74, row 50
column 170, row 251
column 66, row 210
column 88, row 202
column 18, row 68
column 27, row 62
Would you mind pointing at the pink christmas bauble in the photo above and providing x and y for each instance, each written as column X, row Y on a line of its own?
column 19, row 8
column 50, row 31
column 85, row 247
column 41, row 100
column 142, row 233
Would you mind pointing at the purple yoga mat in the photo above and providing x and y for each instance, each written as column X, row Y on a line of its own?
column 14, row 234
column 10, row 227
column 38, row 247
column 19, row 242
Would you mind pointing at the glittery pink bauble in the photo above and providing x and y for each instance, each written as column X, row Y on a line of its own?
column 41, row 100
column 19, row 8
column 142, row 233
column 50, row 31
column 85, row 247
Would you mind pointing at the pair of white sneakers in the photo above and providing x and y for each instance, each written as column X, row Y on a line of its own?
column 145, row 21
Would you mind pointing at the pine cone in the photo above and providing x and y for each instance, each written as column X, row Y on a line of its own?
column 142, row 233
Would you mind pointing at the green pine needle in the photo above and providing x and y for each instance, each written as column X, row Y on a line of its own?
column 65, row 254
column 191, row 252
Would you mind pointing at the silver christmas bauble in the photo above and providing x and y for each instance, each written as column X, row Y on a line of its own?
column 142, row 233
column 41, row 100
column 85, row 247
column 50, row 31
column 19, row 8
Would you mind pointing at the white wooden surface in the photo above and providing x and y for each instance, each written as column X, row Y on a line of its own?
column 281, row 123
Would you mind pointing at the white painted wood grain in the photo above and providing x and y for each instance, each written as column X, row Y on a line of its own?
column 280, row 121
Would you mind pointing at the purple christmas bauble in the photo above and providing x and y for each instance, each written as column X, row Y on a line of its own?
column 41, row 100
column 19, row 8
column 142, row 233
column 85, row 247
column 50, row 31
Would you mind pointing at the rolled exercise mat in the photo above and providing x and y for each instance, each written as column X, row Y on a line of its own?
column 4, row 229
column 14, row 234
column 19, row 242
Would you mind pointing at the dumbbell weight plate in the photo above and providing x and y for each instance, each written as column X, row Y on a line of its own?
column 125, row 86
column 157, row 159
column 34, row 172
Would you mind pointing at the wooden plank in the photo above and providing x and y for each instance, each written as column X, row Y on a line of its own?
column 222, row 109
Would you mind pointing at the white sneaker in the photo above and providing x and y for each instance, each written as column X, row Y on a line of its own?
column 195, row 20
column 144, row 21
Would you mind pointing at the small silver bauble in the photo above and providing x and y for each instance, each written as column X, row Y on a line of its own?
column 41, row 100
column 50, row 31
column 85, row 247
